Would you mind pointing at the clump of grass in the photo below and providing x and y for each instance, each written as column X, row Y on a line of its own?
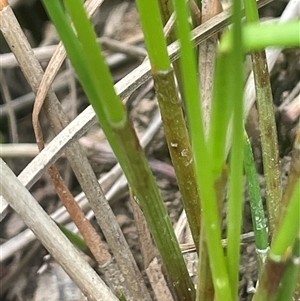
column 200, row 157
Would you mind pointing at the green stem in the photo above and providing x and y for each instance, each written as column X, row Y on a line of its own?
column 220, row 114
column 98, row 68
column 179, row 148
column 136, row 168
column 257, row 210
column 260, row 36
column 166, row 9
column 154, row 36
column 205, row 288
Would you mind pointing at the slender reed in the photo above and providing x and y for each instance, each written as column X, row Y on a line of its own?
column 172, row 115
column 267, row 124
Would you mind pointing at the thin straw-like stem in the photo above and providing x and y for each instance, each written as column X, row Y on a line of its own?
column 207, row 57
column 179, row 148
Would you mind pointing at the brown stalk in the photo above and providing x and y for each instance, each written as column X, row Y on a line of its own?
column 177, row 134
column 268, row 133
column 207, row 54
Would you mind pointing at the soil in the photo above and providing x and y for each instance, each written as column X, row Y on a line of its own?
column 29, row 283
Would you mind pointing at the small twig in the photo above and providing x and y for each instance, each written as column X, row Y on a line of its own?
column 72, row 104
column 207, row 54
column 169, row 25
column 148, row 249
column 19, row 150
column 196, row 13
column 8, row 60
column 122, row 47
column 44, row 53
